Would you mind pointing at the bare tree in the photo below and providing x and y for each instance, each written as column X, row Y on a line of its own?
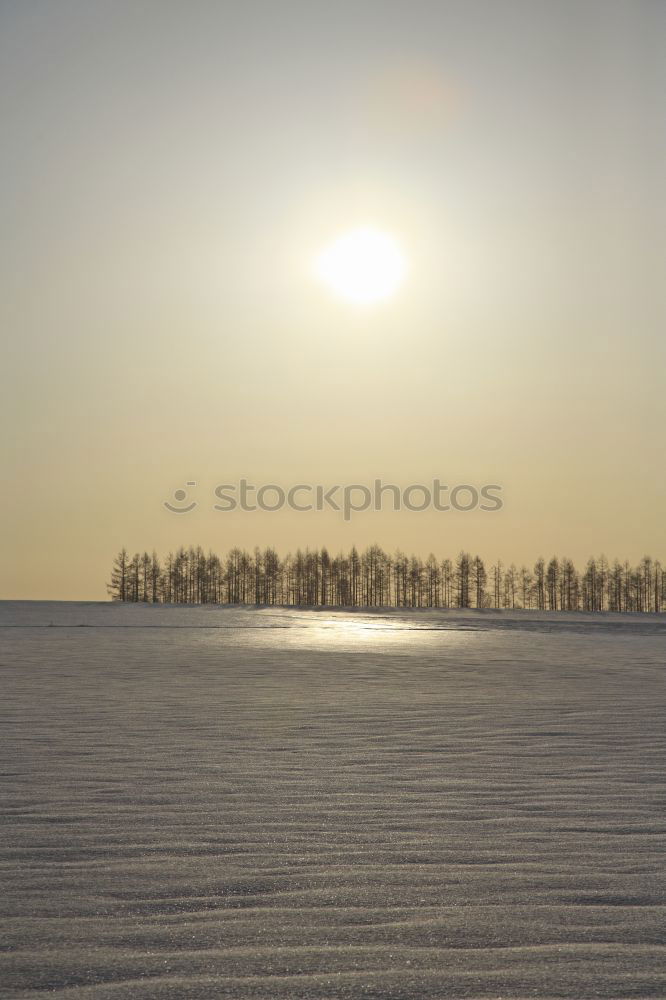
column 373, row 578
column 118, row 585
column 462, row 578
column 479, row 578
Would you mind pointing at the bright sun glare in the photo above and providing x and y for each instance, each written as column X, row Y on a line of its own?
column 362, row 266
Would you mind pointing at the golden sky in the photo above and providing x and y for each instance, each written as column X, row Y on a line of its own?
column 170, row 173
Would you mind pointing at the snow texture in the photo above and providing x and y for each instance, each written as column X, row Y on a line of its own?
column 281, row 804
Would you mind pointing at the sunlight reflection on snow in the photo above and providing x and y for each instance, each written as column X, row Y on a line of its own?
column 349, row 631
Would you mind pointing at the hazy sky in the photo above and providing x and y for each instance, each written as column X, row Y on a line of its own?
column 169, row 171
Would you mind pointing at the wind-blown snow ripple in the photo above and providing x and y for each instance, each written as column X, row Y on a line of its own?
column 276, row 803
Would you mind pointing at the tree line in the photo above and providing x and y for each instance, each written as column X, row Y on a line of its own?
column 374, row 578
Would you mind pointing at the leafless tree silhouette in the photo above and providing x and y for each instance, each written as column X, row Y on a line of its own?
column 374, row 578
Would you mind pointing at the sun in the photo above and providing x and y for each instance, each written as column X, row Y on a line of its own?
column 363, row 266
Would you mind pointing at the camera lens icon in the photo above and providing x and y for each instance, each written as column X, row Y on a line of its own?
column 180, row 496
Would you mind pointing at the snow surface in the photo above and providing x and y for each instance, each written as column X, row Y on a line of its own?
column 272, row 804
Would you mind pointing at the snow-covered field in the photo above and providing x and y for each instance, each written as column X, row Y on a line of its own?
column 276, row 804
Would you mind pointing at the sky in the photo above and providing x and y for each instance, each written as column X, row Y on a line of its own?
column 170, row 171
